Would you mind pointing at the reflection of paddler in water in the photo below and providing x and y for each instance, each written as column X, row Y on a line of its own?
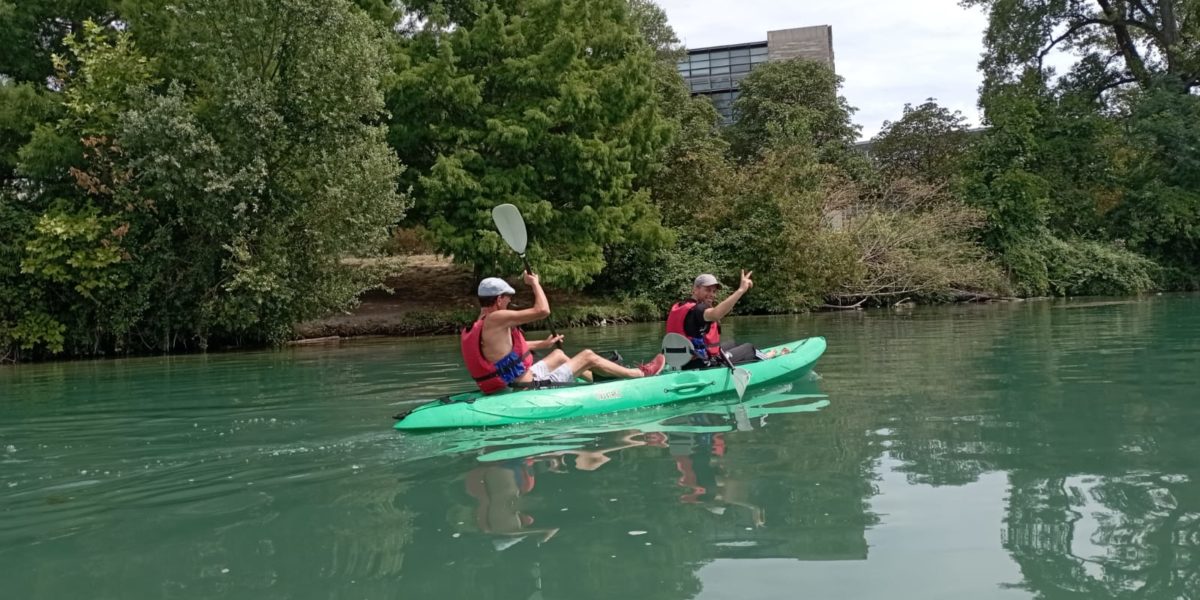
column 590, row 460
column 498, row 489
column 698, row 458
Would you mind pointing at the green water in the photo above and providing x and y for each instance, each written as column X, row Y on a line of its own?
column 1035, row 450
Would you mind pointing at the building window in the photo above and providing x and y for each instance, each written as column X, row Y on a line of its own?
column 716, row 74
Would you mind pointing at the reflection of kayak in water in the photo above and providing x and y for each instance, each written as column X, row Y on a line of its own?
column 715, row 415
column 473, row 409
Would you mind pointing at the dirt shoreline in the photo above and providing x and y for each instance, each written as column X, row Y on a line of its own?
column 433, row 296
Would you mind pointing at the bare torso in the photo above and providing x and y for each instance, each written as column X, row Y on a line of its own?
column 497, row 343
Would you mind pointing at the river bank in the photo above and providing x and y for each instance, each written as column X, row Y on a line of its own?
column 434, row 296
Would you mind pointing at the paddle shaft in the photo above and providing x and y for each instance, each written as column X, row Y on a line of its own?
column 557, row 344
column 739, row 412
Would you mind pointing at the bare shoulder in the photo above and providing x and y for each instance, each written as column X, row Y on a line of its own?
column 502, row 319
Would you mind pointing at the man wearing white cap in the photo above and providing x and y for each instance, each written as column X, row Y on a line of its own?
column 498, row 356
column 698, row 320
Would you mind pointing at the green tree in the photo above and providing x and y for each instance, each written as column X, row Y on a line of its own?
column 779, row 226
column 1119, row 42
column 656, row 30
column 72, row 249
column 795, row 102
column 545, row 104
column 31, row 32
column 928, row 142
column 1097, row 155
column 1159, row 213
column 22, row 107
column 216, row 206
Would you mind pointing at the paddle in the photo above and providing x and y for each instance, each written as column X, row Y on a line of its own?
column 741, row 378
column 511, row 226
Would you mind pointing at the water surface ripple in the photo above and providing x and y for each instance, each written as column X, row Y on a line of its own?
column 1025, row 450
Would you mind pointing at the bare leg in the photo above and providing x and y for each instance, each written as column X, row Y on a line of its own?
column 556, row 359
column 590, row 360
column 553, row 361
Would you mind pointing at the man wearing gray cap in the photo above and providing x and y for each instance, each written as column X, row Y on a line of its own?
column 698, row 320
column 498, row 356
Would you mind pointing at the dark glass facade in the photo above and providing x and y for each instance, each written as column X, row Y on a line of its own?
column 716, row 72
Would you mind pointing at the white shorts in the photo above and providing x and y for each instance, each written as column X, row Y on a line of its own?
column 562, row 374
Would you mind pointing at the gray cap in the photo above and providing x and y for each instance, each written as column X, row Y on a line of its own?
column 706, row 280
column 494, row 286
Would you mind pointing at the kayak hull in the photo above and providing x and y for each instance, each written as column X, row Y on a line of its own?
column 474, row 409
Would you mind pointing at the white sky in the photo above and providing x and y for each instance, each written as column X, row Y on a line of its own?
column 889, row 51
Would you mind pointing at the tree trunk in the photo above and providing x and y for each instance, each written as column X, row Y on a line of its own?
column 1128, row 49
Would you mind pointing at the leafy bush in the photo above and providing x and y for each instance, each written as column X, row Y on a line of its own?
column 405, row 241
column 659, row 278
column 1050, row 265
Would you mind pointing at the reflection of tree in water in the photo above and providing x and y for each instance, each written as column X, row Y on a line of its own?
column 1043, row 393
column 920, row 393
column 1132, row 536
column 1104, row 501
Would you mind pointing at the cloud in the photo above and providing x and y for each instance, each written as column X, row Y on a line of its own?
column 889, row 51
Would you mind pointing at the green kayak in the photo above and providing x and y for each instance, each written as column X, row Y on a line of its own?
column 710, row 415
column 474, row 409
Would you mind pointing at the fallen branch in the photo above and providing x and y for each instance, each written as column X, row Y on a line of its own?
column 854, row 306
column 967, row 296
column 332, row 339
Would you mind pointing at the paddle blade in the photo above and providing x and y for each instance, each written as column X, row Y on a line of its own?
column 677, row 349
column 741, row 379
column 511, row 226
column 742, row 418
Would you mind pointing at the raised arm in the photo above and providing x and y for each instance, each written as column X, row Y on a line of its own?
column 515, row 318
column 719, row 311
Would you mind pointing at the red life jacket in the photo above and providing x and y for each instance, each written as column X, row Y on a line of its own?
column 493, row 377
column 708, row 345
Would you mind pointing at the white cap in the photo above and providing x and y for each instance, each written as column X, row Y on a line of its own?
column 706, row 280
column 494, row 286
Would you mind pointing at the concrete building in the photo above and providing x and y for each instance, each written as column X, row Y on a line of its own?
column 716, row 71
